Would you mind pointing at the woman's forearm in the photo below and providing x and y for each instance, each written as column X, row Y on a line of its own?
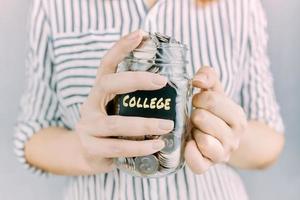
column 56, row 150
column 260, row 147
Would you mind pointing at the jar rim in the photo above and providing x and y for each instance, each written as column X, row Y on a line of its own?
column 151, row 61
column 165, row 45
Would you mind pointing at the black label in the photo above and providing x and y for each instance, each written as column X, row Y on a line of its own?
column 151, row 104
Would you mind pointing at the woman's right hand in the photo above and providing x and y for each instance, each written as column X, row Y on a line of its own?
column 98, row 131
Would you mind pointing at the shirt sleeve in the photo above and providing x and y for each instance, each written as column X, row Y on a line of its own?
column 39, row 106
column 258, row 96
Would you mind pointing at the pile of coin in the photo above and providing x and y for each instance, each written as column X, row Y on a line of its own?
column 162, row 55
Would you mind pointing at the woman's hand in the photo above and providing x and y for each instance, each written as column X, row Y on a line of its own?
column 217, row 124
column 98, row 131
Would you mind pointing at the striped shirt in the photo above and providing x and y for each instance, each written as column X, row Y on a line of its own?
column 68, row 38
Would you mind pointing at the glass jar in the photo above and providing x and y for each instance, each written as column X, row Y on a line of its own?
column 165, row 56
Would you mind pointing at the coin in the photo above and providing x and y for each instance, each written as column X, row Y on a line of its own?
column 162, row 38
column 146, row 50
column 154, row 69
column 172, row 142
column 125, row 163
column 146, row 164
column 169, row 161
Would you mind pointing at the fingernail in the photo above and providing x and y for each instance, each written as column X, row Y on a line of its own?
column 158, row 144
column 202, row 78
column 159, row 80
column 135, row 35
column 166, row 125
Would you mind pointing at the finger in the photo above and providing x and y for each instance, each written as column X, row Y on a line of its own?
column 207, row 78
column 114, row 125
column 119, row 51
column 209, row 123
column 222, row 107
column 113, row 148
column 126, row 82
column 195, row 159
column 209, row 146
column 109, row 85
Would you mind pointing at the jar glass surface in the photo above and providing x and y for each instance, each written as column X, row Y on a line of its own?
column 170, row 102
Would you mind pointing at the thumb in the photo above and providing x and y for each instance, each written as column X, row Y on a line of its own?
column 119, row 51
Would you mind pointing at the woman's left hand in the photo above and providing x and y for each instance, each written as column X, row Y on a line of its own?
column 217, row 124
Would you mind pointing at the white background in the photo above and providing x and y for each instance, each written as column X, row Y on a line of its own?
column 280, row 182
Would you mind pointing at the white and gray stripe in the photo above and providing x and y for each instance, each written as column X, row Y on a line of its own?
column 68, row 39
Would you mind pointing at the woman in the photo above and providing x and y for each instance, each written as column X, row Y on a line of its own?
column 63, row 127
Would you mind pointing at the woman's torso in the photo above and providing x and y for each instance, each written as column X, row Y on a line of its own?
column 83, row 30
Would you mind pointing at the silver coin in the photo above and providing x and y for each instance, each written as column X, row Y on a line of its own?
column 169, row 161
column 147, row 165
column 125, row 163
column 146, row 50
column 145, row 54
column 162, row 38
column 154, row 69
column 172, row 143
